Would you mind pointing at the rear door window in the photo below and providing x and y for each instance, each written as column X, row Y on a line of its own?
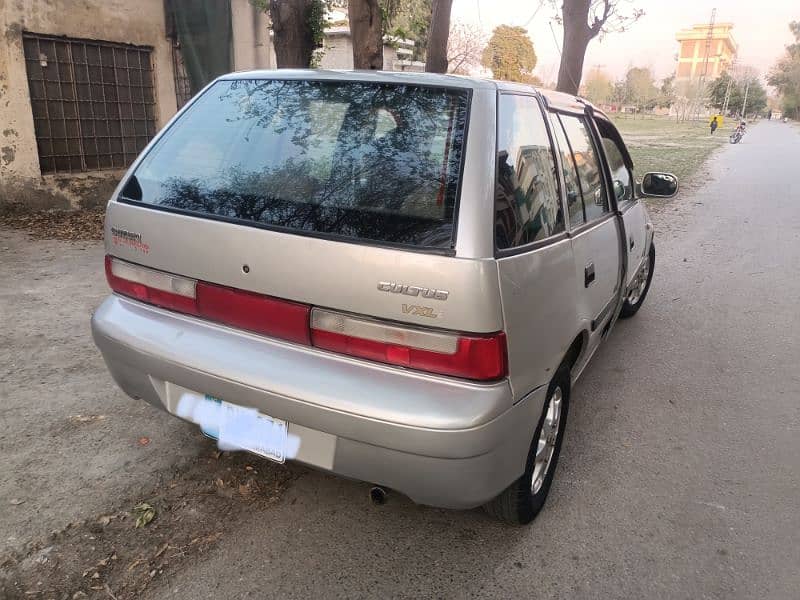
column 590, row 175
column 371, row 161
column 571, row 179
column 527, row 200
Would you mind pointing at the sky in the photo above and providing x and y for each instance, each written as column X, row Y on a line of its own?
column 761, row 32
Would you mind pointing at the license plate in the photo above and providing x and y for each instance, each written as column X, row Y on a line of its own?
column 239, row 428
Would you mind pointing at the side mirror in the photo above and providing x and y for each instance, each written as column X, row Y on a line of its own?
column 659, row 185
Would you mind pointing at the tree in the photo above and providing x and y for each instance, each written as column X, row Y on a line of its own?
column 641, row 91
column 584, row 20
column 785, row 75
column 599, row 87
column 440, row 30
column 294, row 38
column 464, row 48
column 736, row 89
column 667, row 93
column 366, row 29
column 510, row 54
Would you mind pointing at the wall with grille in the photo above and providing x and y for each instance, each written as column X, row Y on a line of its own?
column 83, row 86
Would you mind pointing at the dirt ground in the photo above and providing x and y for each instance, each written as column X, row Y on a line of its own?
column 66, row 493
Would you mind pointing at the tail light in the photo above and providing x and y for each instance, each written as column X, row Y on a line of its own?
column 476, row 357
column 237, row 308
column 470, row 357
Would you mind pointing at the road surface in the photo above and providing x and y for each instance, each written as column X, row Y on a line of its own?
column 679, row 475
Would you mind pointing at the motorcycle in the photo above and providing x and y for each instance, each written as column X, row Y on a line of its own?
column 737, row 135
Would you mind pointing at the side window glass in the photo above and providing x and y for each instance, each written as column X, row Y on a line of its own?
column 527, row 201
column 573, row 188
column 620, row 175
column 595, row 201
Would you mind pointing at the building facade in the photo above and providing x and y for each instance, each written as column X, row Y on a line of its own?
column 696, row 46
column 85, row 85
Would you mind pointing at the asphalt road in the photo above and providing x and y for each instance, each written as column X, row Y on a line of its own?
column 679, row 475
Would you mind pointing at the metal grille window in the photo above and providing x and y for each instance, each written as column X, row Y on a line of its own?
column 93, row 102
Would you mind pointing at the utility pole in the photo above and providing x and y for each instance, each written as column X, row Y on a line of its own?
column 701, row 84
column 728, row 88
column 744, row 102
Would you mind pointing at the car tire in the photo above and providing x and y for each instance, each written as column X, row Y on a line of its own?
column 520, row 502
column 637, row 295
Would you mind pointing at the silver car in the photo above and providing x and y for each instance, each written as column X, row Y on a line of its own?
column 394, row 277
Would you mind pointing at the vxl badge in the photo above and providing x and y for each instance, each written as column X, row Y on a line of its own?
column 415, row 291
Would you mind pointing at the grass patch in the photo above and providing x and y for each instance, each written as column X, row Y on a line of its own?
column 662, row 144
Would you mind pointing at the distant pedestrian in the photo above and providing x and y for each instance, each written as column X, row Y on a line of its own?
column 769, row 116
column 714, row 124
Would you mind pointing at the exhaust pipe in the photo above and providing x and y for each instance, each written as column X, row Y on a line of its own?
column 378, row 495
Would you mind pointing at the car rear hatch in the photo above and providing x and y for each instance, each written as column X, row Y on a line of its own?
column 318, row 212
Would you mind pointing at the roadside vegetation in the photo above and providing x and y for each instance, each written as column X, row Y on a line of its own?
column 662, row 144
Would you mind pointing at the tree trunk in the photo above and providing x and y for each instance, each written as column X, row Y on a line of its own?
column 366, row 31
column 440, row 32
column 577, row 35
column 292, row 36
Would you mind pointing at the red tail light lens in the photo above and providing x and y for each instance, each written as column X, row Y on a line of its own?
column 154, row 287
column 482, row 358
column 476, row 357
column 254, row 312
column 237, row 308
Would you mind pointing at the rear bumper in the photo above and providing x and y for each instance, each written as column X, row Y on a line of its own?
column 440, row 441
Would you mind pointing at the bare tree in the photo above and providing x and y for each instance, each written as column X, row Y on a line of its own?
column 366, row 29
column 583, row 20
column 293, row 36
column 465, row 47
column 437, row 42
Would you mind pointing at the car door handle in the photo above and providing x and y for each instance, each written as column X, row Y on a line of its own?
column 588, row 275
column 632, row 243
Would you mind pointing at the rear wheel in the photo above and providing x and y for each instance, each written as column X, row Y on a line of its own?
column 520, row 502
column 640, row 286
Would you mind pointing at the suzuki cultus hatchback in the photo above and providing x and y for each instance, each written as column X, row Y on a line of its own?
column 392, row 277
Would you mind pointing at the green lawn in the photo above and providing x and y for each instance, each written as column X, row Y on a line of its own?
column 662, row 144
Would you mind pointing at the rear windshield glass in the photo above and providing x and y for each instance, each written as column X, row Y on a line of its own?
column 372, row 161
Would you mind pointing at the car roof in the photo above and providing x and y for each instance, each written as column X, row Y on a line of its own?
column 553, row 99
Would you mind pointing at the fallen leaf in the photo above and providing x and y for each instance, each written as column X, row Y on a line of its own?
column 95, row 575
column 143, row 441
column 86, row 418
column 134, row 564
column 161, row 550
column 106, row 519
column 144, row 514
column 16, row 502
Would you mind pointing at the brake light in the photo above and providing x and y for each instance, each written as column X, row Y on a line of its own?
column 247, row 310
column 476, row 357
column 480, row 358
column 237, row 308
column 154, row 287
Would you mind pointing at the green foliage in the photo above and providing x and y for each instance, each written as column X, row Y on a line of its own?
column 316, row 21
column 510, row 54
column 412, row 19
column 756, row 94
column 785, row 75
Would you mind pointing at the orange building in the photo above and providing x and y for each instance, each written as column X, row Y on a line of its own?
column 692, row 57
